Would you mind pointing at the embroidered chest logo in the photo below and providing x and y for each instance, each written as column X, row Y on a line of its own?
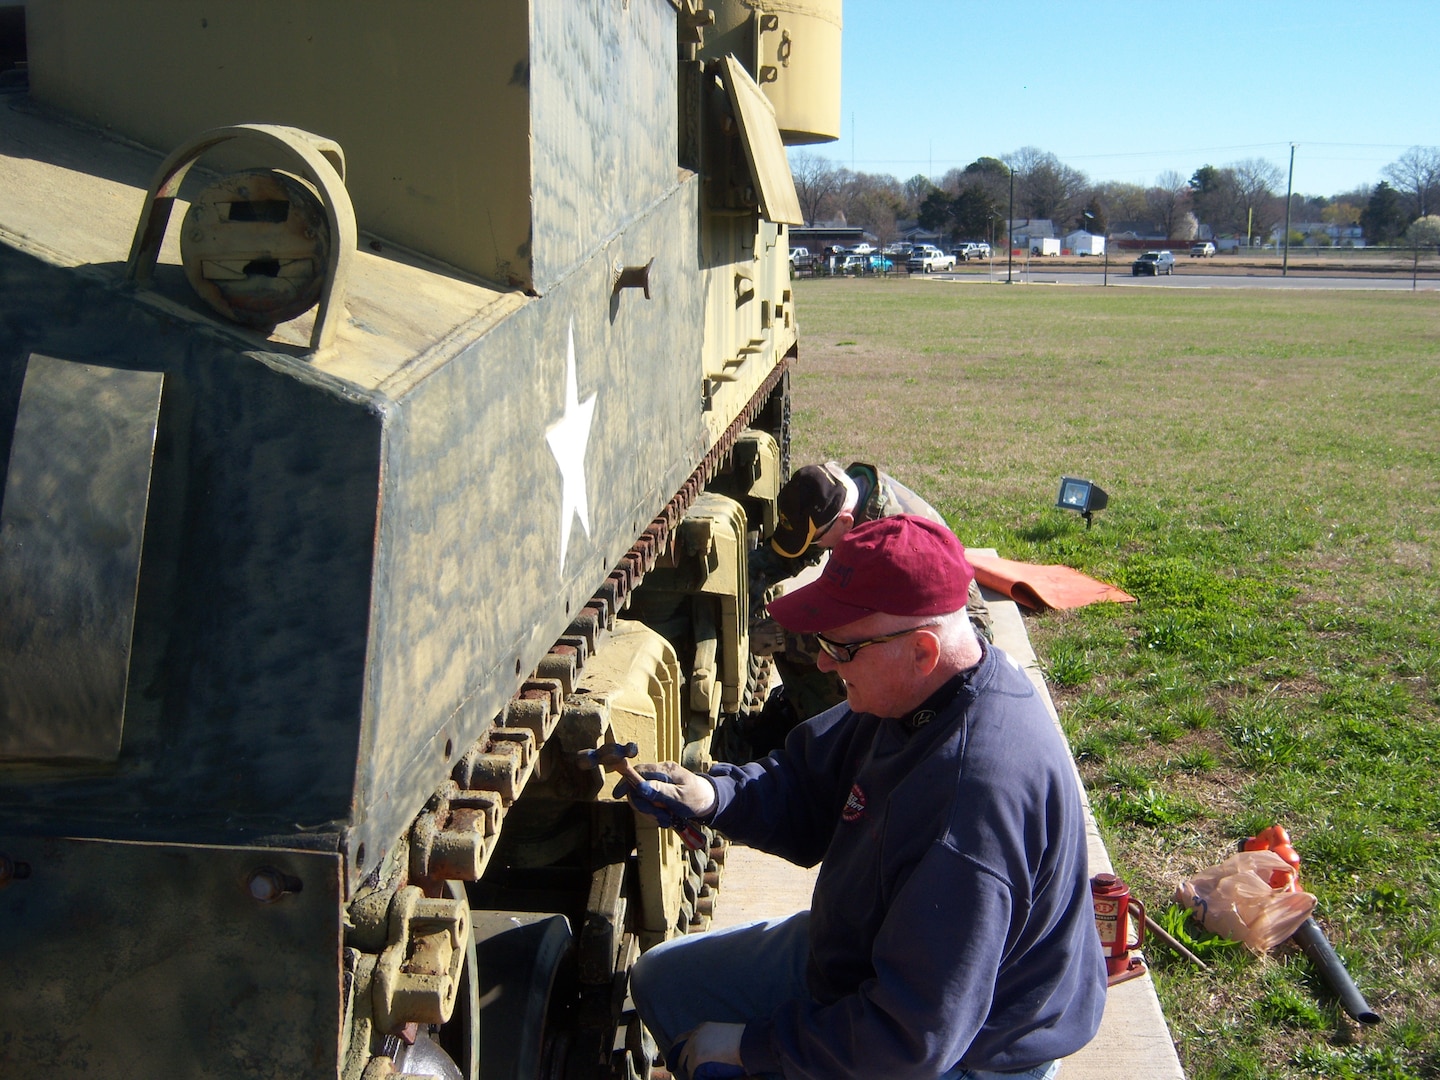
column 921, row 718
column 854, row 804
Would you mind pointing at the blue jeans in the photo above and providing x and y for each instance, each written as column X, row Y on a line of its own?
column 739, row 974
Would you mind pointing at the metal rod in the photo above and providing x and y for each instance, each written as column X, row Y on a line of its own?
column 1156, row 929
column 1312, row 940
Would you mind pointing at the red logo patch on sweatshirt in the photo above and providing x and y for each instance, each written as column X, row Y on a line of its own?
column 854, row 804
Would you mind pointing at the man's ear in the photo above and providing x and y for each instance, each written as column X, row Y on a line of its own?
column 925, row 652
column 845, row 520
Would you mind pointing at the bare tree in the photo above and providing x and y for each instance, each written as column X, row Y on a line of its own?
column 1416, row 176
column 1045, row 187
column 953, row 182
column 1168, row 202
column 1256, row 181
column 1122, row 202
column 873, row 201
column 816, row 180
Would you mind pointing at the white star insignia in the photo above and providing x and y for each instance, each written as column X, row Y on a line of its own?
column 568, row 438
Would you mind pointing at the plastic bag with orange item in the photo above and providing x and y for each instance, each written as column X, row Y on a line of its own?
column 1237, row 899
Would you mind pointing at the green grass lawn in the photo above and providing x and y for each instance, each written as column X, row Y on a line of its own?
column 1273, row 466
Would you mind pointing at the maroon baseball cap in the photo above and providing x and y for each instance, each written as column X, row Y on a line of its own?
column 901, row 565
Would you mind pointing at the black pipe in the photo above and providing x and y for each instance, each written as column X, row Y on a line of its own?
column 1312, row 940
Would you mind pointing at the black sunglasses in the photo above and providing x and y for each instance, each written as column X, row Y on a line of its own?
column 842, row 652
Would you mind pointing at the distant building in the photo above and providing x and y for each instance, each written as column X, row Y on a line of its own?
column 1321, row 234
column 1141, row 232
column 1025, row 230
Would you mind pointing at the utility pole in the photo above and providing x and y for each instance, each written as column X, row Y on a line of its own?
column 1010, row 240
column 1289, row 188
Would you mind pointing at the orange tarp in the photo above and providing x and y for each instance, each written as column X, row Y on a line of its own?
column 1041, row 587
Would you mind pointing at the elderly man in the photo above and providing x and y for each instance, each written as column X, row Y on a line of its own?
column 951, row 933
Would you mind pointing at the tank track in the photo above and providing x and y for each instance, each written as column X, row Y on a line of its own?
column 536, row 706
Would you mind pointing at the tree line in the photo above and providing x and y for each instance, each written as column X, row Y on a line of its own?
column 1245, row 199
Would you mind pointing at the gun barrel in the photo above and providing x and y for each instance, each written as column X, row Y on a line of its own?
column 1312, row 940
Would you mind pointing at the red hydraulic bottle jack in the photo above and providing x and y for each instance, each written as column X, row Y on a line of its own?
column 1114, row 920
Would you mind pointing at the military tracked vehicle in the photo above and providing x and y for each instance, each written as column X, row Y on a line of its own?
column 390, row 397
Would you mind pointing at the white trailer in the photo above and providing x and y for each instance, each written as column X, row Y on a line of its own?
column 1086, row 244
column 1044, row 245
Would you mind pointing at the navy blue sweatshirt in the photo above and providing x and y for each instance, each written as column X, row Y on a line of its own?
column 952, row 921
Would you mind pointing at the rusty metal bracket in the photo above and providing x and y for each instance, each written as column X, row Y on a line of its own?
column 320, row 160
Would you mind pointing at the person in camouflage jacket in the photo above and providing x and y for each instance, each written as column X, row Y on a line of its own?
column 817, row 506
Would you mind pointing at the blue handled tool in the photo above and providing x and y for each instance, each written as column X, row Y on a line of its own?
column 615, row 757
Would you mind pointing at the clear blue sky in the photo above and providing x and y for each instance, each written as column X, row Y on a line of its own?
column 1127, row 90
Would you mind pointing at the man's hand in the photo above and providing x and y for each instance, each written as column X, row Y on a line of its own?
column 710, row 1052
column 669, row 790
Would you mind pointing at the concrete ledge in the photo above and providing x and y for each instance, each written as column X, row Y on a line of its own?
column 1133, row 1040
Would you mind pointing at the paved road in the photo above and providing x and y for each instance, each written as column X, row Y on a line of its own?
column 1186, row 278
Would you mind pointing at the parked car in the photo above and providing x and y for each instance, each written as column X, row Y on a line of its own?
column 1203, row 250
column 863, row 249
column 927, row 261
column 1154, row 263
column 865, row 264
column 799, row 254
column 971, row 250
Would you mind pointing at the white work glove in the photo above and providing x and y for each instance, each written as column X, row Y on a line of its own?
column 709, row 1052
column 669, row 786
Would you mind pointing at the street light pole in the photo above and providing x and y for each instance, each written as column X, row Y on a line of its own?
column 1105, row 280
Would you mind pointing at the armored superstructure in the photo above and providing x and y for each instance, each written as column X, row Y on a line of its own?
column 389, row 397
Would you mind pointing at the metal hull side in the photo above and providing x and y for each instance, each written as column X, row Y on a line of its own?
column 602, row 115
column 249, row 647
column 483, row 556
column 158, row 961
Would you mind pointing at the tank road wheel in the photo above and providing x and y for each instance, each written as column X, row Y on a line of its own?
column 524, row 960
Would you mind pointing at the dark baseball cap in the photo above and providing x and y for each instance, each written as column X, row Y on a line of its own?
column 901, row 565
column 807, row 505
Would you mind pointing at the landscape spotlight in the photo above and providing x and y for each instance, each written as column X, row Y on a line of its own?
column 1081, row 496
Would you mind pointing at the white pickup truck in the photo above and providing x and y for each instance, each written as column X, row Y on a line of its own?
column 927, row 260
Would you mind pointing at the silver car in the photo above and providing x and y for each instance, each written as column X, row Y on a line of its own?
column 1153, row 262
